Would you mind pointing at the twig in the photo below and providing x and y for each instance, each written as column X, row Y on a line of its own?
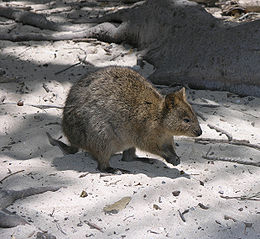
column 203, row 206
column 83, row 175
column 181, row 214
column 67, row 68
column 249, row 114
column 247, row 225
column 114, row 182
column 45, row 87
column 201, row 116
column 254, row 197
column 229, row 136
column 247, row 14
column 226, row 217
column 128, row 217
column 33, row 19
column 7, row 80
column 2, row 99
column 53, row 210
column 123, row 1
column 21, row 53
column 208, row 151
column 205, row 105
column 106, row 175
column 1, row 181
column 92, row 225
column 86, row 40
column 43, row 107
column 52, row 123
column 81, row 60
column 233, row 142
column 161, row 86
column 117, row 55
column 232, row 160
column 60, row 229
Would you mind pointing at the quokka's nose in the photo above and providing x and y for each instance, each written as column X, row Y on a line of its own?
column 198, row 132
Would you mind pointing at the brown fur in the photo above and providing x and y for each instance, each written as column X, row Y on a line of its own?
column 116, row 109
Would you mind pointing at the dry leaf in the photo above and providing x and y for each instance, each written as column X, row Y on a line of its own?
column 156, row 207
column 117, row 206
column 83, row 194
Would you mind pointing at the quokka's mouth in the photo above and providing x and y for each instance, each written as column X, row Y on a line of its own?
column 195, row 133
column 198, row 132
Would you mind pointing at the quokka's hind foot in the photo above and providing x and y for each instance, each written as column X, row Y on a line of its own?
column 107, row 169
column 66, row 149
column 129, row 155
column 117, row 171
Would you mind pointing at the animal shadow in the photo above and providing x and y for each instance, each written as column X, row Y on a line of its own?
column 83, row 162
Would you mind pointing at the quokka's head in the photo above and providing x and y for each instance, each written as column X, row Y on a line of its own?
column 179, row 118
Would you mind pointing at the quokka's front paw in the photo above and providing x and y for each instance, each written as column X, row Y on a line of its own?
column 173, row 159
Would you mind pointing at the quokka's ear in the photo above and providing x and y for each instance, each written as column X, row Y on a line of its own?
column 181, row 93
column 169, row 101
column 174, row 98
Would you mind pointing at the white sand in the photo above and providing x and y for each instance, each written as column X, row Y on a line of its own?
column 65, row 214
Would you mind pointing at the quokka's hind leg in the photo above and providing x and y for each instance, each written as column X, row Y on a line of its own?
column 104, row 166
column 129, row 155
column 66, row 149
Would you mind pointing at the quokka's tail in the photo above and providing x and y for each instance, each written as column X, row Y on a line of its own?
column 66, row 149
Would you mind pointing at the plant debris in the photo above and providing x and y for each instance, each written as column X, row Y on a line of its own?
column 117, row 206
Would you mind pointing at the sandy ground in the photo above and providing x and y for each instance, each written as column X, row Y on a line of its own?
column 153, row 211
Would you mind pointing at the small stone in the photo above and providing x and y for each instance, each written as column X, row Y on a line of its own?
column 83, row 194
column 176, row 193
column 89, row 235
column 20, row 103
column 79, row 224
column 156, row 207
column 182, row 172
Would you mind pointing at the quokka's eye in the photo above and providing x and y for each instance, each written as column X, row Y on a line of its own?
column 186, row 120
